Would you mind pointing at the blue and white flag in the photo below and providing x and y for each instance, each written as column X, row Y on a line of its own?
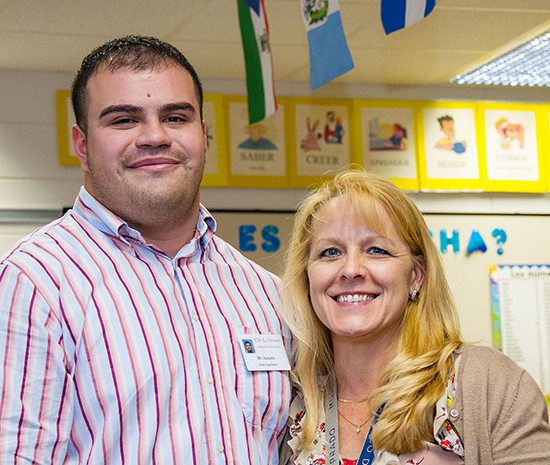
column 397, row 14
column 329, row 55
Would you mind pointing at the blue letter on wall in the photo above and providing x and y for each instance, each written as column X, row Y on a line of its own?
column 476, row 243
column 445, row 241
column 246, row 239
column 272, row 242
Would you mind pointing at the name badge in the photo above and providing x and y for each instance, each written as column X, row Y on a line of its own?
column 264, row 352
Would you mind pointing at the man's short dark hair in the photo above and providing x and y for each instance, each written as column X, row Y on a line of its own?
column 134, row 52
column 444, row 118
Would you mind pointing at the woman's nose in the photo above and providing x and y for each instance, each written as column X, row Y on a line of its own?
column 354, row 266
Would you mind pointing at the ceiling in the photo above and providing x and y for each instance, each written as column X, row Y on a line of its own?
column 55, row 35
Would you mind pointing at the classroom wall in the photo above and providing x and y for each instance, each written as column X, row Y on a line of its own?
column 34, row 188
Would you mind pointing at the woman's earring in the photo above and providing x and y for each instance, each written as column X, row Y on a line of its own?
column 414, row 296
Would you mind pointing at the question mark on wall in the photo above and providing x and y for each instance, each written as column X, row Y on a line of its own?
column 500, row 235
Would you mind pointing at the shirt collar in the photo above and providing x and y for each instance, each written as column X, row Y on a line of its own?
column 106, row 221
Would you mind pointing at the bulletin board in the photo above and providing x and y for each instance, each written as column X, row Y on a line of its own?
column 65, row 121
column 419, row 145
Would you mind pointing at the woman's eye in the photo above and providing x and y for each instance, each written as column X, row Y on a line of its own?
column 330, row 252
column 378, row 251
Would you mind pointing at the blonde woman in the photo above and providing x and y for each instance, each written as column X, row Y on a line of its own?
column 381, row 371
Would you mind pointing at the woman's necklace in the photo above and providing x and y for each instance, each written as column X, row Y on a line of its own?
column 353, row 401
column 357, row 427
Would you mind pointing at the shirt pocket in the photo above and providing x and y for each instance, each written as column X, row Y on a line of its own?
column 262, row 395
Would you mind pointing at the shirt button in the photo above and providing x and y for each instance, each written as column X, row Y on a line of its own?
column 220, row 447
column 209, row 380
column 454, row 413
column 195, row 316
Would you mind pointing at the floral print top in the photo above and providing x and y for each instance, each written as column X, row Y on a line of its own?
column 448, row 449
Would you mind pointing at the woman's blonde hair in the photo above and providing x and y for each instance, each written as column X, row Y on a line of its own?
column 415, row 379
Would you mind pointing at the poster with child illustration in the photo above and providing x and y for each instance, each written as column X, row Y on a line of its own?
column 215, row 168
column 511, row 144
column 450, row 143
column 322, row 139
column 389, row 142
column 211, row 164
column 256, row 149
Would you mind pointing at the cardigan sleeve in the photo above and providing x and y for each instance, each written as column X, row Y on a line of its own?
column 503, row 414
column 521, row 432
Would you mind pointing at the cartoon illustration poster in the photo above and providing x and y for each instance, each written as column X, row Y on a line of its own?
column 511, row 144
column 322, row 139
column 388, row 142
column 209, row 115
column 450, row 143
column 256, row 149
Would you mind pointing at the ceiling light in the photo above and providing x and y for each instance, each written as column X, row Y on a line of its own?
column 525, row 65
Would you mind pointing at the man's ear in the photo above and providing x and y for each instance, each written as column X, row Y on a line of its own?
column 80, row 146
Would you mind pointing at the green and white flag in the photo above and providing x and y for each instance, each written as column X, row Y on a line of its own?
column 258, row 60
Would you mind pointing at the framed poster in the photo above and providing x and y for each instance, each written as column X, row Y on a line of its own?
column 320, row 131
column 65, row 121
column 215, row 169
column 448, row 149
column 386, row 142
column 258, row 150
column 514, row 136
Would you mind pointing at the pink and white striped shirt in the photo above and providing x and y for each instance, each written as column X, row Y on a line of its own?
column 113, row 353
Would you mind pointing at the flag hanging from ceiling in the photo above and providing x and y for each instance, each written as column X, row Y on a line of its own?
column 329, row 55
column 258, row 60
column 397, row 14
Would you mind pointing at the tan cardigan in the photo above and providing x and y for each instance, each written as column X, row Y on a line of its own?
column 499, row 412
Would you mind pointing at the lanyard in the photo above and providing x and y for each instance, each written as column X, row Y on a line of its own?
column 367, row 454
column 332, row 454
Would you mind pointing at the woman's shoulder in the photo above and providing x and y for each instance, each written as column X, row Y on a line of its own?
column 483, row 369
column 487, row 358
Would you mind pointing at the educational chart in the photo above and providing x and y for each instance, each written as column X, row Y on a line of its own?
column 211, row 162
column 322, row 139
column 511, row 141
column 450, row 143
column 389, row 149
column 256, row 149
column 520, row 298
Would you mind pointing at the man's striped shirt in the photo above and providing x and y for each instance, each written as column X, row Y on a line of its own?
column 113, row 353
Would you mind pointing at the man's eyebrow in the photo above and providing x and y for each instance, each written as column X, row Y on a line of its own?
column 185, row 106
column 132, row 109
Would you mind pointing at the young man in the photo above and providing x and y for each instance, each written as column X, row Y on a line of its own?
column 121, row 323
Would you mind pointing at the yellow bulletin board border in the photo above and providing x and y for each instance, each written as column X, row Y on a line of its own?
column 304, row 181
column 542, row 133
column 447, row 184
column 544, row 154
column 220, row 178
column 357, row 154
column 260, row 181
column 62, row 98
